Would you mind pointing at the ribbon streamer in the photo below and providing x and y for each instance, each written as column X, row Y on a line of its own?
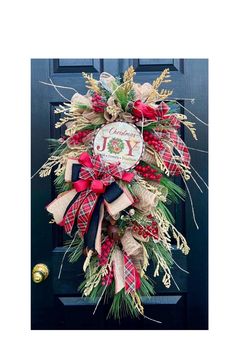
column 133, row 249
column 125, row 273
column 171, row 136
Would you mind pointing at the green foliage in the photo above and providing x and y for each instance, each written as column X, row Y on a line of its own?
column 93, row 267
column 91, row 127
column 76, row 252
column 76, row 248
column 175, row 192
column 96, row 292
column 123, row 97
column 82, row 106
column 105, row 93
column 146, row 288
column 60, row 184
column 161, row 250
column 164, row 253
column 56, row 146
column 165, row 211
column 122, row 306
column 123, row 222
column 151, row 126
column 174, row 107
column 131, row 95
column 122, row 302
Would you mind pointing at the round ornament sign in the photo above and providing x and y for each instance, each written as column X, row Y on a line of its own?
column 119, row 142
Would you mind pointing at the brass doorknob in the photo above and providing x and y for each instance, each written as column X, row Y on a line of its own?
column 40, row 272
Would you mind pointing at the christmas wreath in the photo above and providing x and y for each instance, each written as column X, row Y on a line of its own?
column 113, row 172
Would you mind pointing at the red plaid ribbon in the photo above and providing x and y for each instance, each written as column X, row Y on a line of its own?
column 131, row 275
column 96, row 175
column 162, row 114
column 166, row 152
column 85, row 212
column 72, row 212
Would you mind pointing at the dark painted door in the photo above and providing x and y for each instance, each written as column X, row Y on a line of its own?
column 56, row 304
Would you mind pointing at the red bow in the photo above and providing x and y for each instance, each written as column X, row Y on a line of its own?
column 93, row 180
column 96, row 176
column 96, row 185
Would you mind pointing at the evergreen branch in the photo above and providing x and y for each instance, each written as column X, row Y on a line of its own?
column 165, row 211
column 77, row 251
column 60, row 184
column 174, row 191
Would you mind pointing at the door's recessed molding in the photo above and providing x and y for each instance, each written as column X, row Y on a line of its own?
column 149, row 65
column 160, row 299
column 77, row 65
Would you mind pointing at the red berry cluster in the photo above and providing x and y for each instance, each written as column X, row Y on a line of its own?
column 78, row 137
column 103, row 260
column 148, row 231
column 153, row 141
column 97, row 103
column 148, row 172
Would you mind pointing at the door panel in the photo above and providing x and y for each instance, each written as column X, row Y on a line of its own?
column 56, row 303
column 72, row 275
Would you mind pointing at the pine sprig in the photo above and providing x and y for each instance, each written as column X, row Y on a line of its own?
column 123, row 97
column 60, row 184
column 77, row 251
column 165, row 211
column 122, row 306
column 174, row 191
